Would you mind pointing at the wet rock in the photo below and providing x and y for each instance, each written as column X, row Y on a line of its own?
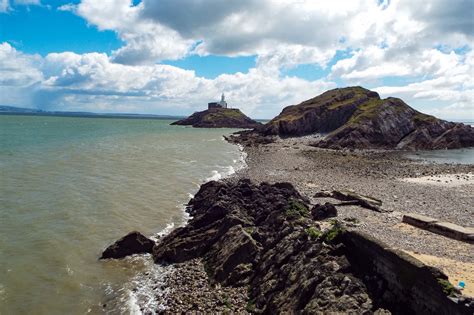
column 132, row 243
column 321, row 212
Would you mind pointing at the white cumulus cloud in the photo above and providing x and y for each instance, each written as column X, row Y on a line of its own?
column 420, row 51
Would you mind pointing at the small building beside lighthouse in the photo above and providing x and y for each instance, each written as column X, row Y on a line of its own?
column 221, row 104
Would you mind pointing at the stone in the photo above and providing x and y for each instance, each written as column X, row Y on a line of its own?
column 245, row 236
column 321, row 212
column 132, row 243
column 352, row 198
column 418, row 220
column 232, row 255
column 453, row 231
column 447, row 229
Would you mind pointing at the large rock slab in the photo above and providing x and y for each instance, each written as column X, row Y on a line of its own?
column 447, row 229
column 418, row 220
column 132, row 243
column 233, row 256
column 453, row 231
column 263, row 236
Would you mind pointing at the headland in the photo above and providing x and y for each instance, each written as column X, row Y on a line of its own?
column 310, row 227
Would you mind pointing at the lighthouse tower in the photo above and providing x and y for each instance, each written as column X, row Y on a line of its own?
column 223, row 103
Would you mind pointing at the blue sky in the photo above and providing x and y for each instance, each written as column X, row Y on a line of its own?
column 44, row 29
column 167, row 57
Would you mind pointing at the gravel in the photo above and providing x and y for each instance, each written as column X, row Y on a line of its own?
column 377, row 174
column 191, row 291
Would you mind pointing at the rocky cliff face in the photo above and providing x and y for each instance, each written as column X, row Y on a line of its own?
column 218, row 118
column 355, row 117
column 266, row 238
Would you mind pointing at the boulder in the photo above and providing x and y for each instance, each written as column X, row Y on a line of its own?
column 132, row 243
column 321, row 212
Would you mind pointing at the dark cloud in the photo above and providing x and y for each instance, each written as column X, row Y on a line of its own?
column 193, row 17
column 448, row 16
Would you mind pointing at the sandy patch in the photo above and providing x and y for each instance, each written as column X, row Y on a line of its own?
column 455, row 270
column 447, row 180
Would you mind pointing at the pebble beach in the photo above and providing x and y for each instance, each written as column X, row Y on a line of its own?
column 444, row 191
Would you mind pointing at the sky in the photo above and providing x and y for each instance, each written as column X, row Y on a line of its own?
column 175, row 56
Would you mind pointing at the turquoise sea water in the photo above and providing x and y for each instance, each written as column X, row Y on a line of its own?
column 71, row 186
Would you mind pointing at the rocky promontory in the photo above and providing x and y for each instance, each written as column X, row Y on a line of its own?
column 218, row 118
column 269, row 240
column 358, row 118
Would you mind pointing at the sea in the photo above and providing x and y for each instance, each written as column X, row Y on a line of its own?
column 69, row 187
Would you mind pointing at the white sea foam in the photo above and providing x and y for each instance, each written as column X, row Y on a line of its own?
column 227, row 171
column 168, row 228
column 149, row 293
column 216, row 175
column 2, row 292
column 69, row 270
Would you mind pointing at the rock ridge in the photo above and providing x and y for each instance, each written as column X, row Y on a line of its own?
column 264, row 237
column 358, row 118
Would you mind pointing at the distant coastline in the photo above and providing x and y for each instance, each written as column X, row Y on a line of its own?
column 19, row 111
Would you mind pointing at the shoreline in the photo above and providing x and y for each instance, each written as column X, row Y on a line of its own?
column 311, row 170
column 178, row 286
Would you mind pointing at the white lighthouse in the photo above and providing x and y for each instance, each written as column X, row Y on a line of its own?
column 223, row 103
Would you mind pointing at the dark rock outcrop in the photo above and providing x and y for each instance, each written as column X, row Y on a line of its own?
column 132, row 243
column 352, row 198
column 263, row 236
column 218, row 118
column 321, row 212
column 355, row 117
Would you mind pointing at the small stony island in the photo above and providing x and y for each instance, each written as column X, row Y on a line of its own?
column 218, row 115
column 330, row 216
